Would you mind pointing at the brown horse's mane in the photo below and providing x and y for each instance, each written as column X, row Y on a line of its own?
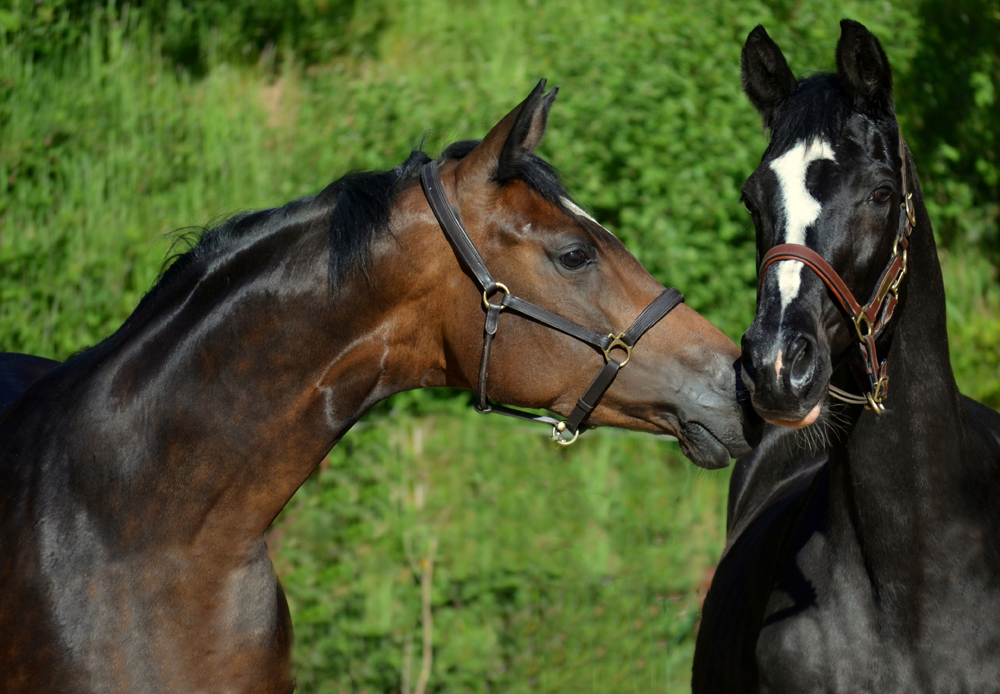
column 357, row 208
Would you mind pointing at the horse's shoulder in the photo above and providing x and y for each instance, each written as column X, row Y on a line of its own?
column 767, row 493
column 18, row 372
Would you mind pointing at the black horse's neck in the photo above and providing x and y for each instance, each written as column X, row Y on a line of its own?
column 896, row 482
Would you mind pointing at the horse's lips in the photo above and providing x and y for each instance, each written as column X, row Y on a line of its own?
column 702, row 448
column 798, row 423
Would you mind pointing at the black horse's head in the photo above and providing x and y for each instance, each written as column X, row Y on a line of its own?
column 829, row 180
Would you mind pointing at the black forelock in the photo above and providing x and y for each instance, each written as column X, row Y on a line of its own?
column 541, row 177
column 538, row 174
column 818, row 108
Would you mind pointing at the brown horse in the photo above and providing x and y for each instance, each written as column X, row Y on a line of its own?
column 137, row 478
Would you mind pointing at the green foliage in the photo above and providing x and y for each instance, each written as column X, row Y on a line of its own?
column 196, row 34
column 559, row 571
column 553, row 571
column 950, row 99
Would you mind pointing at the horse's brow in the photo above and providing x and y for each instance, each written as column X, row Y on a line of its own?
column 580, row 212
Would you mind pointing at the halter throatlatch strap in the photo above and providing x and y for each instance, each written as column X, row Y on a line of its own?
column 870, row 320
column 430, row 180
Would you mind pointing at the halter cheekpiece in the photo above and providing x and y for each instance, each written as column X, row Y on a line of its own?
column 871, row 319
column 563, row 432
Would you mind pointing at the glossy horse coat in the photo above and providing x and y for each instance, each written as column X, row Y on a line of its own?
column 137, row 478
column 863, row 550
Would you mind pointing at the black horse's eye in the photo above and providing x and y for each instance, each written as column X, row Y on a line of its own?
column 574, row 260
column 882, row 195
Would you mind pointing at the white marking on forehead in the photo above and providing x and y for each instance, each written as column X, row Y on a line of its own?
column 801, row 208
column 580, row 212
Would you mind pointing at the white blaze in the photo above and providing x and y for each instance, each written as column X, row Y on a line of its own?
column 801, row 208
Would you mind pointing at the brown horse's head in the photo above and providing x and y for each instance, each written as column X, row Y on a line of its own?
column 681, row 378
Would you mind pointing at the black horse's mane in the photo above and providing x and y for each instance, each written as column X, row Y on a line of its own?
column 819, row 108
column 358, row 206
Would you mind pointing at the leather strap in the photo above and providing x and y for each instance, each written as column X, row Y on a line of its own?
column 528, row 309
column 815, row 262
column 666, row 302
column 430, row 180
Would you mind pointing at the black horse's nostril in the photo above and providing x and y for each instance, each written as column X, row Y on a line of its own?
column 802, row 365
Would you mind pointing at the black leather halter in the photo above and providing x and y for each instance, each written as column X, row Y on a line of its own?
column 870, row 320
column 430, row 179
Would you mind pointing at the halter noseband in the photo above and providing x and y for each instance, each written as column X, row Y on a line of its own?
column 430, row 180
column 871, row 319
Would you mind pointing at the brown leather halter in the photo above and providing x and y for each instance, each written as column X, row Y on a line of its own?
column 871, row 319
column 430, row 179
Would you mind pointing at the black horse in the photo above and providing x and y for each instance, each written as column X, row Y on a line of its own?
column 863, row 550
column 17, row 372
column 138, row 477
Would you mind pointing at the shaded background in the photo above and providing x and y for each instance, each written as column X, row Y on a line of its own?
column 542, row 569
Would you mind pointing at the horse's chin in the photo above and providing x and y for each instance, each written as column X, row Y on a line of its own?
column 797, row 423
column 702, row 448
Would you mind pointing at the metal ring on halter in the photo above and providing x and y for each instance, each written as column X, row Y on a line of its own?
column 500, row 288
column 617, row 341
column 874, row 404
column 860, row 320
column 557, row 434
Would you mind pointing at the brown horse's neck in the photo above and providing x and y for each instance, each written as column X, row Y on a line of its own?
column 256, row 375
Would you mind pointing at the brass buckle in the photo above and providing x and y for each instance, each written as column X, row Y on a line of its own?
column 500, row 288
column 894, row 288
column 617, row 341
column 911, row 213
column 557, row 435
column 862, row 320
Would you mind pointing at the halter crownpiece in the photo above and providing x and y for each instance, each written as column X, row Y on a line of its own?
column 871, row 319
column 430, row 180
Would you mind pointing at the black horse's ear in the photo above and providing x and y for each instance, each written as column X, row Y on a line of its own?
column 863, row 69
column 501, row 152
column 767, row 79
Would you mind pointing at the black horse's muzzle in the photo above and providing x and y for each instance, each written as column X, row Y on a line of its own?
column 786, row 363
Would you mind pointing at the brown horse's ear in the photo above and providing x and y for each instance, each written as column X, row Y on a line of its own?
column 863, row 69
column 501, row 152
column 767, row 79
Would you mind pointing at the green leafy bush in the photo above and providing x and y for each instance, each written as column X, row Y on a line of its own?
column 197, row 34
column 950, row 97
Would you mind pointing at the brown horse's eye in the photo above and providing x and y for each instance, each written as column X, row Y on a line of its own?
column 574, row 260
column 882, row 195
